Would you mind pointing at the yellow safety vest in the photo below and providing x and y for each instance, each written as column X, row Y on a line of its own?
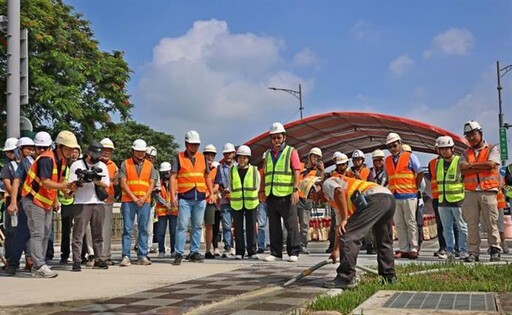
column 450, row 184
column 279, row 176
column 66, row 201
column 246, row 195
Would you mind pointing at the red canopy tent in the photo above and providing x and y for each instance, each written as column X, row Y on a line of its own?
column 347, row 131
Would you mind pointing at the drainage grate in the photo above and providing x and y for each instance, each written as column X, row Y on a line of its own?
column 442, row 301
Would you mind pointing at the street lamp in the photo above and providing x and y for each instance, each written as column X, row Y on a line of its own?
column 297, row 94
column 503, row 126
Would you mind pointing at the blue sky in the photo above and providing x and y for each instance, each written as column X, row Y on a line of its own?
column 206, row 65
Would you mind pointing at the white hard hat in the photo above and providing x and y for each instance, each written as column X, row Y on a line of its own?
column 67, row 138
column 471, row 126
column 343, row 158
column 437, row 141
column 151, row 151
column 277, row 128
column 192, row 137
column 10, row 144
column 357, row 154
column 307, row 183
column 139, row 145
column 25, row 141
column 243, row 150
column 336, row 154
column 406, row 148
column 107, row 143
column 316, row 151
column 392, row 137
column 377, row 154
column 210, row 148
column 445, row 142
column 165, row 167
column 228, row 148
column 43, row 139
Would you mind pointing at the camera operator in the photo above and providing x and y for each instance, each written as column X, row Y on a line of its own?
column 89, row 172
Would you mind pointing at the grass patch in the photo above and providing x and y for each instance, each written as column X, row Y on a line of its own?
column 454, row 277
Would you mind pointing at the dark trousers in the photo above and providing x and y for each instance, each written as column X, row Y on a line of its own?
column 65, row 236
column 250, row 216
column 378, row 216
column 277, row 208
column 50, row 251
column 440, row 237
column 216, row 230
column 163, row 222
column 332, row 228
column 20, row 236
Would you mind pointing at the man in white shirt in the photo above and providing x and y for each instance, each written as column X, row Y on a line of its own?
column 88, row 207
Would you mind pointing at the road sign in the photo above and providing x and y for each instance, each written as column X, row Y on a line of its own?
column 503, row 144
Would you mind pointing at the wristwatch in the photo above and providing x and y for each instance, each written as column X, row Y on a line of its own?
column 295, row 189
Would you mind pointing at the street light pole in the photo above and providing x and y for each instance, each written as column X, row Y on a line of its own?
column 297, row 94
column 500, row 72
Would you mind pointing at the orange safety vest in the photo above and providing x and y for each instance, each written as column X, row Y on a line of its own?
column 502, row 204
column 112, row 169
column 191, row 176
column 160, row 209
column 303, row 175
column 364, row 173
column 401, row 179
column 212, row 175
column 138, row 183
column 353, row 185
column 42, row 197
column 433, row 180
column 335, row 174
column 486, row 179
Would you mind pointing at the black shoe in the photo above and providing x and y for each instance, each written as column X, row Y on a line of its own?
column 63, row 261
column 196, row 257
column 100, row 264
column 177, row 260
column 10, row 271
column 389, row 280
column 260, row 251
column 84, row 260
column 339, row 283
column 495, row 254
column 370, row 249
column 471, row 258
column 76, row 267
column 187, row 257
column 209, row 255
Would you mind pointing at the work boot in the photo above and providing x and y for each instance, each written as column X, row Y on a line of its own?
column 471, row 258
column 76, row 267
column 177, row 260
column 196, row 257
column 339, row 283
column 495, row 254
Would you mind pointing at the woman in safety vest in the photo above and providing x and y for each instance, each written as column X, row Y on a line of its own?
column 244, row 187
column 166, row 213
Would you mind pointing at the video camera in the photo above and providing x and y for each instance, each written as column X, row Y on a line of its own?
column 88, row 176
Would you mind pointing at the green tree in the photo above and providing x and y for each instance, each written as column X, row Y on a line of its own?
column 123, row 135
column 72, row 83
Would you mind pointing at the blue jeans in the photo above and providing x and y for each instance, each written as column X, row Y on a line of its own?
column 262, row 223
column 449, row 216
column 226, row 216
column 129, row 210
column 162, row 227
column 189, row 210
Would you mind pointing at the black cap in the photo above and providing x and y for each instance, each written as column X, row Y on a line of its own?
column 95, row 149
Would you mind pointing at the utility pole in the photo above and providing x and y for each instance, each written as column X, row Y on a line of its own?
column 13, row 68
column 502, row 125
column 297, row 94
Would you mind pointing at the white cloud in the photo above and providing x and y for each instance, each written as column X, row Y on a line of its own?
column 401, row 65
column 217, row 83
column 451, row 42
column 305, row 57
column 364, row 30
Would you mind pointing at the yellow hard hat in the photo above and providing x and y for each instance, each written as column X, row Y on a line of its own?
column 68, row 139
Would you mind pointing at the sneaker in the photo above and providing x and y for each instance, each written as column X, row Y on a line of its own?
column 196, row 257
column 339, row 283
column 271, row 258
column 209, row 255
column 45, row 272
column 152, row 250
column 260, row 251
column 461, row 255
column 226, row 252
column 293, row 258
column 10, row 271
column 216, row 252
column 63, row 261
column 161, row 255
column 304, row 250
column 125, row 262
column 471, row 258
column 458, row 253
column 253, row 257
column 495, row 254
column 100, row 264
column 439, row 251
column 76, row 267
column 177, row 260
column 144, row 261
column 90, row 261
column 238, row 257
column 442, row 255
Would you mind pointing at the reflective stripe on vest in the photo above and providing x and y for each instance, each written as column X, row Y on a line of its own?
column 279, row 176
column 43, row 197
column 353, row 185
column 401, row 179
column 66, row 201
column 112, row 170
column 160, row 209
column 363, row 173
column 246, row 196
column 191, row 176
column 486, row 179
column 335, row 174
column 502, row 204
column 212, row 175
column 450, row 183
column 433, row 174
column 138, row 184
column 303, row 175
